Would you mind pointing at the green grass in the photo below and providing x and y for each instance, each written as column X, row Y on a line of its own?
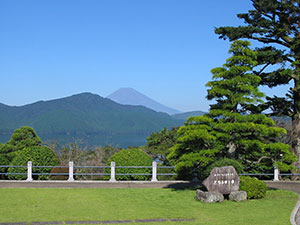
column 26, row 205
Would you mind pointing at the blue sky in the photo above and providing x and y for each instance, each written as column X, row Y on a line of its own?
column 164, row 49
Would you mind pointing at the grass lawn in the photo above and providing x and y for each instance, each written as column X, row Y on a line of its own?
column 27, row 205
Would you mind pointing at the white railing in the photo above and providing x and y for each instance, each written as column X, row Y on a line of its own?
column 71, row 173
column 71, row 167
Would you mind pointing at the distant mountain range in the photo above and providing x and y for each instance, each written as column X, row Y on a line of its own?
column 129, row 96
column 93, row 120
column 184, row 116
column 86, row 117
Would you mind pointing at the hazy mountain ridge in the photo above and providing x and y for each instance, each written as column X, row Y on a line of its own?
column 184, row 116
column 129, row 96
column 88, row 117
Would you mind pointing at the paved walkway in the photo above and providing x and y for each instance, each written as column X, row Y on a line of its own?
column 94, row 184
column 287, row 185
column 102, row 222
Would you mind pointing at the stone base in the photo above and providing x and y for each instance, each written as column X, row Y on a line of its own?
column 209, row 197
column 238, row 196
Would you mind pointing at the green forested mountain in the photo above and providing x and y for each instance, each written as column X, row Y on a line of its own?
column 184, row 116
column 85, row 117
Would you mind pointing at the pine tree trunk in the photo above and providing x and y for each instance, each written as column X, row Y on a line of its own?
column 231, row 150
column 295, row 138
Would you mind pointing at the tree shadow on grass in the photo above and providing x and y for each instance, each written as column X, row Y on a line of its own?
column 186, row 186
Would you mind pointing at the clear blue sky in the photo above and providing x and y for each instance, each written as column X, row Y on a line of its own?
column 162, row 48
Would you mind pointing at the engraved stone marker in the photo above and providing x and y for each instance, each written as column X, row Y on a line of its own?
column 222, row 179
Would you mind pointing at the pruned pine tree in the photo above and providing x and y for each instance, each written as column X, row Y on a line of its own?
column 241, row 133
column 195, row 143
column 276, row 24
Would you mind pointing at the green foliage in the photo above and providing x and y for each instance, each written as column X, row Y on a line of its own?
column 234, row 127
column 223, row 162
column 24, row 137
column 131, row 157
column 234, row 86
column 39, row 155
column 242, row 132
column 7, row 148
column 158, row 144
column 255, row 188
column 4, row 162
column 275, row 24
column 20, row 139
column 194, row 144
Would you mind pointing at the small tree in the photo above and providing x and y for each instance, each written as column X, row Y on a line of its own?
column 39, row 155
column 131, row 157
column 24, row 137
column 159, row 143
column 20, row 139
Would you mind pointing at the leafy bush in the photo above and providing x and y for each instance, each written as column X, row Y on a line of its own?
column 4, row 162
column 39, row 155
column 131, row 157
column 61, row 170
column 223, row 162
column 255, row 188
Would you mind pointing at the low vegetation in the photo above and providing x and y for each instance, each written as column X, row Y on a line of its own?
column 26, row 205
column 255, row 188
column 131, row 157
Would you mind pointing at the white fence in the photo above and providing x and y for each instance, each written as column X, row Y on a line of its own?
column 71, row 173
column 276, row 174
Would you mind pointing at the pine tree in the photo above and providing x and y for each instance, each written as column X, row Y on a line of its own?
column 233, row 128
column 242, row 134
column 276, row 24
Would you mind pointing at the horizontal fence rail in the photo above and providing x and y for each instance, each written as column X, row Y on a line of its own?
column 72, row 171
column 75, row 171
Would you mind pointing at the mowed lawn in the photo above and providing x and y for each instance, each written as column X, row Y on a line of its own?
column 30, row 204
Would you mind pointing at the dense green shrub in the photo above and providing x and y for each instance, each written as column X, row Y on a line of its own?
column 4, row 162
column 255, row 188
column 131, row 157
column 39, row 155
column 223, row 162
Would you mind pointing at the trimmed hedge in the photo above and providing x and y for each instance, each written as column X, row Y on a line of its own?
column 131, row 157
column 39, row 155
column 254, row 187
column 223, row 162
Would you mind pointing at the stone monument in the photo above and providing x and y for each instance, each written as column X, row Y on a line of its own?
column 222, row 181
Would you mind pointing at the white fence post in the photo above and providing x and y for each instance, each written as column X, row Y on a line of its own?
column 29, row 171
column 71, row 170
column 154, row 171
column 112, row 171
column 276, row 174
